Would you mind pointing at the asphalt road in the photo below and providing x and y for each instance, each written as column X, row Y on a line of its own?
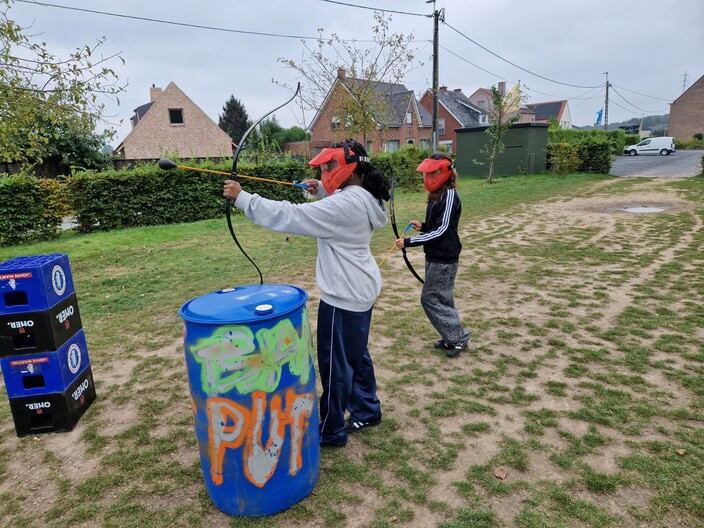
column 682, row 163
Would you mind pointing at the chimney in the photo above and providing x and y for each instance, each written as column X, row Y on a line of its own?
column 341, row 73
column 443, row 88
column 502, row 88
column 458, row 89
column 154, row 93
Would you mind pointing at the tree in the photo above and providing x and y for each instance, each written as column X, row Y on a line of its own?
column 234, row 119
column 504, row 112
column 270, row 137
column 294, row 133
column 359, row 109
column 40, row 92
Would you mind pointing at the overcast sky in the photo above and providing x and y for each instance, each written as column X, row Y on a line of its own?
column 557, row 49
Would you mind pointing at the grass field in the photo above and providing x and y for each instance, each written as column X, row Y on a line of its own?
column 583, row 386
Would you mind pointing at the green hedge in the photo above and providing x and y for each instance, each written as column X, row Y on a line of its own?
column 147, row 195
column 593, row 149
column 402, row 164
column 689, row 144
column 616, row 139
column 563, row 158
column 28, row 211
column 32, row 209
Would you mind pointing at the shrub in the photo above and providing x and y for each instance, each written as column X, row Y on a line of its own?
column 55, row 194
column 616, row 139
column 563, row 158
column 689, row 144
column 402, row 165
column 147, row 195
column 595, row 154
column 26, row 213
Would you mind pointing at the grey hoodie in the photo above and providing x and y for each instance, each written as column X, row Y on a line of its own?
column 346, row 273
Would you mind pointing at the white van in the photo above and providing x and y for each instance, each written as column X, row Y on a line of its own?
column 654, row 145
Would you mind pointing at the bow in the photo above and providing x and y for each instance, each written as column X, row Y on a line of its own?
column 395, row 228
column 228, row 204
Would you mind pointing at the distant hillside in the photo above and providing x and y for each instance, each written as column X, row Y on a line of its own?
column 656, row 124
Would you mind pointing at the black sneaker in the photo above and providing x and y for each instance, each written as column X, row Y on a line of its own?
column 440, row 344
column 455, row 350
column 353, row 427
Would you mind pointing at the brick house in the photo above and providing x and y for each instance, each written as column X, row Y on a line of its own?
column 528, row 113
column 399, row 119
column 483, row 99
column 172, row 124
column 545, row 111
column 687, row 112
column 455, row 110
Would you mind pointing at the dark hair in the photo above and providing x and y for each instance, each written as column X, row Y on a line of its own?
column 373, row 180
column 451, row 182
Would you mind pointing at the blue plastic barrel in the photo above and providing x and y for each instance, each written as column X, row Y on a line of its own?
column 249, row 357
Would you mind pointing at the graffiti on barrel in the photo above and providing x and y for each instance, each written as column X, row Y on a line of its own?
column 234, row 358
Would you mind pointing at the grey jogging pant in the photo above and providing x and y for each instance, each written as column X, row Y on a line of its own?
column 438, row 301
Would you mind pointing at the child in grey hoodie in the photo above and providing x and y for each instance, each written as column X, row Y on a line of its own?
column 344, row 218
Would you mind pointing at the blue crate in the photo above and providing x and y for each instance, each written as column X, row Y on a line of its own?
column 47, row 372
column 54, row 411
column 31, row 284
column 34, row 332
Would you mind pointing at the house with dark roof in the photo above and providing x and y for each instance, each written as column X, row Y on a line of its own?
column 687, row 112
column 397, row 117
column 544, row 112
column 455, row 110
column 172, row 124
column 528, row 112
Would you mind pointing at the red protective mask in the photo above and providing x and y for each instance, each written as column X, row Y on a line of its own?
column 337, row 166
column 335, row 170
column 435, row 172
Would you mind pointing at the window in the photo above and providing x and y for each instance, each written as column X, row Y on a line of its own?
column 480, row 104
column 441, row 126
column 176, row 116
column 392, row 145
column 335, row 122
column 483, row 119
column 409, row 119
column 425, row 143
column 448, row 144
column 410, row 141
column 369, row 147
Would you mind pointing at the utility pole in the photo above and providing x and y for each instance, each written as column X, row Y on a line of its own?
column 684, row 81
column 436, row 87
column 606, row 103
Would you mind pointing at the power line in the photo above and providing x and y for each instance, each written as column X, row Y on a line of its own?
column 376, row 9
column 470, row 62
column 318, row 38
column 630, row 103
column 645, row 95
column 580, row 97
column 183, row 24
column 511, row 63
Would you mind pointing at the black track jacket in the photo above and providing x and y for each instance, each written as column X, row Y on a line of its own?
column 439, row 237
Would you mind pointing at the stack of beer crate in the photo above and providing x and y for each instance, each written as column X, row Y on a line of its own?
column 43, row 350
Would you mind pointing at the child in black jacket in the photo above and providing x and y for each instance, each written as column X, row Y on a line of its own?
column 442, row 247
